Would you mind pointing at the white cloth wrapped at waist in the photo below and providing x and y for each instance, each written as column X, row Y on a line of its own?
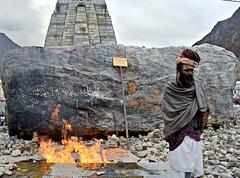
column 187, row 157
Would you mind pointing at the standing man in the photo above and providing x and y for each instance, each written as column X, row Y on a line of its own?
column 185, row 111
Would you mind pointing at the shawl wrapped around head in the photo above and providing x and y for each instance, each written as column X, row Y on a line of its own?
column 180, row 105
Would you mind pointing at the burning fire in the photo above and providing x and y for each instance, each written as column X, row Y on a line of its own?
column 89, row 157
column 66, row 127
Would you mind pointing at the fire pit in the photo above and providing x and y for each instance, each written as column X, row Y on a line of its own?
column 77, row 152
column 74, row 158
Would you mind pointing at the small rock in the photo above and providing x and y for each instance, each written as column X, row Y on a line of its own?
column 142, row 154
column 213, row 162
column 152, row 158
column 152, row 151
column 122, row 141
column 4, row 160
column 225, row 164
column 25, row 153
column 207, row 171
column 139, row 147
column 225, row 175
column 232, row 159
column 148, row 144
column 230, row 150
column 12, row 166
column 223, row 152
column 8, row 172
column 2, row 171
column 238, row 173
column 16, row 153
column 222, row 168
column 6, row 152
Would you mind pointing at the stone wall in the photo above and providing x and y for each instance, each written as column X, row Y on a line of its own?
column 76, row 22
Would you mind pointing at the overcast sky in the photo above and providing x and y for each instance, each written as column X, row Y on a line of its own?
column 150, row 23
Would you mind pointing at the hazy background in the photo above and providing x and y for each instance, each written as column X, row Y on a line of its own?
column 150, row 23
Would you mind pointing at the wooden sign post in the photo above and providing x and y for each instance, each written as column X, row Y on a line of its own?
column 122, row 62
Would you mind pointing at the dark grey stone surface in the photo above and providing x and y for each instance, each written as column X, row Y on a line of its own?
column 83, row 81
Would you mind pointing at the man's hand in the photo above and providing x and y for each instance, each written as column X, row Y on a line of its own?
column 205, row 118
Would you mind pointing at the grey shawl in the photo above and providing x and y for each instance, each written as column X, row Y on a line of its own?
column 180, row 105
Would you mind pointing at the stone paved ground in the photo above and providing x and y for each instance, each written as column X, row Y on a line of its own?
column 128, row 166
column 146, row 170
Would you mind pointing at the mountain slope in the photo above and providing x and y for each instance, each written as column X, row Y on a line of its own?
column 6, row 44
column 226, row 34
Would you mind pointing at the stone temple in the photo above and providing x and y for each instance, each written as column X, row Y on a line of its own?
column 80, row 22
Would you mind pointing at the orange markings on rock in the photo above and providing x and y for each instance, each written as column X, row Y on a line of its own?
column 132, row 87
column 145, row 103
column 55, row 113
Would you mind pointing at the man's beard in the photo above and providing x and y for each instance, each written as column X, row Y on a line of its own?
column 187, row 81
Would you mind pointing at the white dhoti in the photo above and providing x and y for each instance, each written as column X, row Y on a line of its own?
column 187, row 157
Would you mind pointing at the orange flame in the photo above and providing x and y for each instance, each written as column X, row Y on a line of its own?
column 67, row 125
column 56, row 111
column 89, row 157
column 53, row 154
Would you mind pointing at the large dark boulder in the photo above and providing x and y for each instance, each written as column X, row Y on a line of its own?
column 6, row 45
column 226, row 34
column 84, row 85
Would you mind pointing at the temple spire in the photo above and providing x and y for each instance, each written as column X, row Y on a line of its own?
column 80, row 22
